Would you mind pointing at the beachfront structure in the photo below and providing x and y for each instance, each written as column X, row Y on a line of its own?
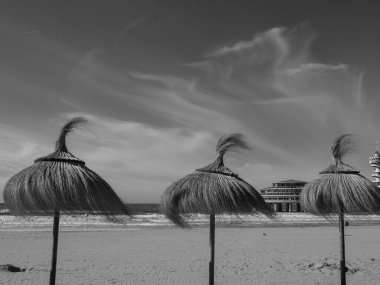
column 375, row 163
column 284, row 196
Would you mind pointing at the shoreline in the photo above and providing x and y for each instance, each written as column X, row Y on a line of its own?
column 126, row 227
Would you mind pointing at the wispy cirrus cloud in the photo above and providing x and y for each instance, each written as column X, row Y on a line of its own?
column 281, row 92
column 310, row 67
column 154, row 127
column 133, row 155
column 271, row 88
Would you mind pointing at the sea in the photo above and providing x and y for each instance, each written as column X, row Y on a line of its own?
column 147, row 216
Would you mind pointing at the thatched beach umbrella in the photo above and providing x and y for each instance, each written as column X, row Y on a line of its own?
column 60, row 182
column 341, row 189
column 211, row 190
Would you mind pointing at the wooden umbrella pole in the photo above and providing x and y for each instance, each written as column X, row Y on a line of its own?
column 55, row 247
column 342, row 249
column 212, row 249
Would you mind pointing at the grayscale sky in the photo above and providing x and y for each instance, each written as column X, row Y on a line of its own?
column 161, row 81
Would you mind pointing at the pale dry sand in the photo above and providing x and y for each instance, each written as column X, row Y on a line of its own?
column 286, row 255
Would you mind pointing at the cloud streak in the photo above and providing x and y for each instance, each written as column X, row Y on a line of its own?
column 154, row 127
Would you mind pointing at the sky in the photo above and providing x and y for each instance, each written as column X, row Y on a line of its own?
column 161, row 81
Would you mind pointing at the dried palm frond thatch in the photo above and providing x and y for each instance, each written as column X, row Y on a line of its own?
column 61, row 183
column 341, row 189
column 213, row 189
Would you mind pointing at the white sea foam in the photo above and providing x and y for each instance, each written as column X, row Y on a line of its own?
column 92, row 222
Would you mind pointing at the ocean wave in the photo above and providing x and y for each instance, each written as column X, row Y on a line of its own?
column 93, row 222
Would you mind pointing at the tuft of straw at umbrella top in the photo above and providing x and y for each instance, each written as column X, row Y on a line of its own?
column 341, row 187
column 60, row 181
column 213, row 189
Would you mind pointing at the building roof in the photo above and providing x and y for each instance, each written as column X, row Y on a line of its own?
column 292, row 181
column 289, row 181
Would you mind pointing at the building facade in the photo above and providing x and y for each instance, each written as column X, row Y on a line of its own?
column 375, row 163
column 284, row 196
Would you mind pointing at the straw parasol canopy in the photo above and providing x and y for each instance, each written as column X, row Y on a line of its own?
column 341, row 187
column 60, row 181
column 213, row 189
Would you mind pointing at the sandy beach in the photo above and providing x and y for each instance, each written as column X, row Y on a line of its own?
column 168, row 255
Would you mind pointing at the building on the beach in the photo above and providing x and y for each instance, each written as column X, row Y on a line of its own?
column 375, row 163
column 284, row 196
